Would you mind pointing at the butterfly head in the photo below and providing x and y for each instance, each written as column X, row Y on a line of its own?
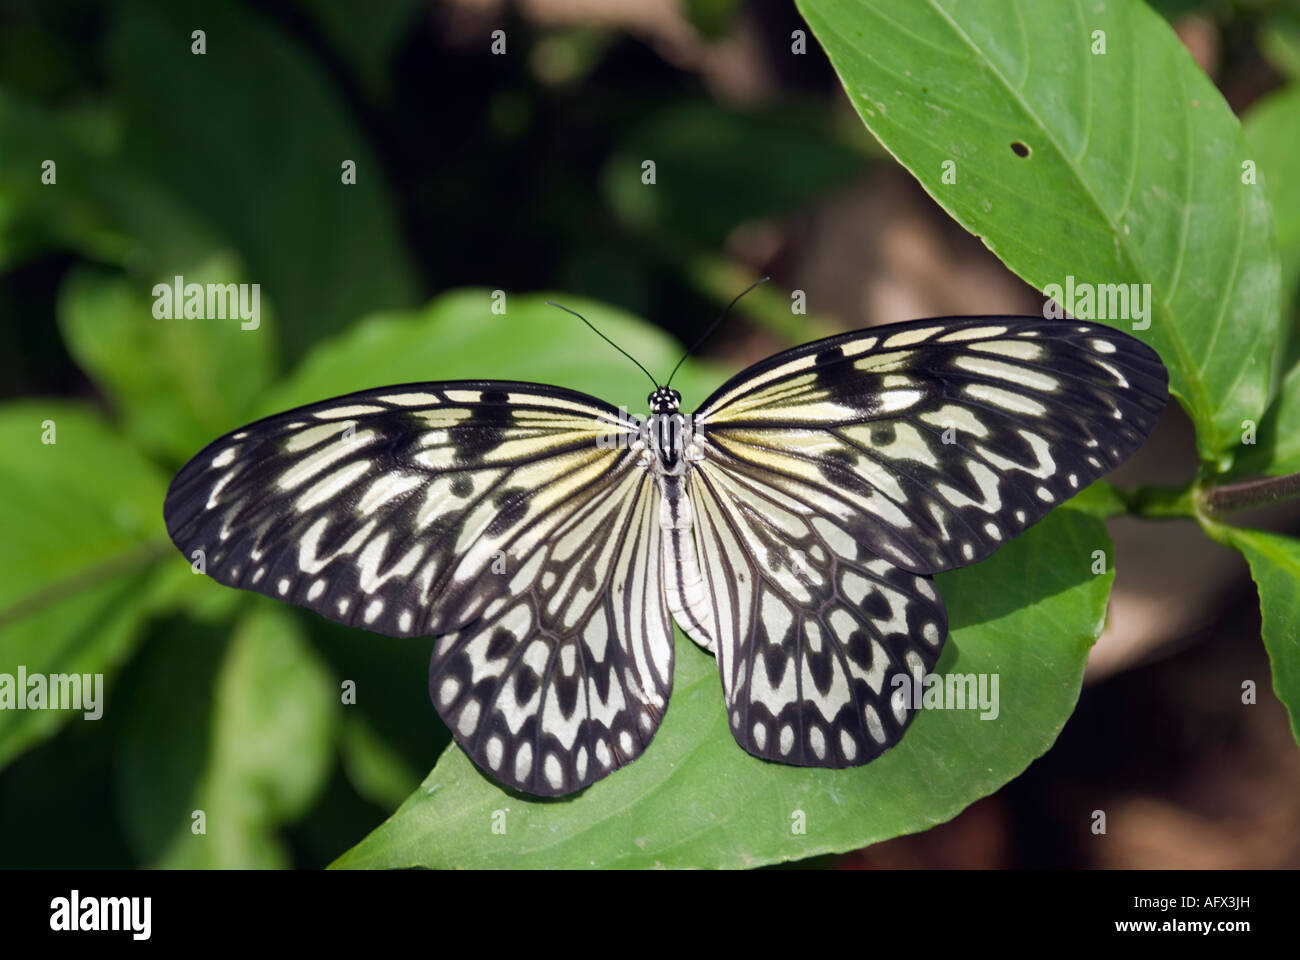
column 665, row 400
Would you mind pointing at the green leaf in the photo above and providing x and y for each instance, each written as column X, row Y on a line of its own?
column 374, row 768
column 242, row 730
column 1275, row 567
column 1279, row 41
column 1273, row 132
column 177, row 383
column 1029, row 614
column 82, row 526
column 252, row 134
column 95, row 205
column 1133, row 172
column 1276, row 447
column 701, row 192
column 364, row 36
column 457, row 336
column 1099, row 499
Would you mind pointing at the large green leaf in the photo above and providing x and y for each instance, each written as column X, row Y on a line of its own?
column 176, row 382
column 1273, row 132
column 1276, row 447
column 82, row 527
column 242, row 730
column 253, row 136
column 1275, row 567
column 1132, row 170
column 1029, row 614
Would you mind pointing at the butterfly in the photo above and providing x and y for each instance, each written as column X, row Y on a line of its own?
column 790, row 526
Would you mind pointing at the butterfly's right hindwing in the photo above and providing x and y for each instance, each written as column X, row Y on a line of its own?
column 509, row 518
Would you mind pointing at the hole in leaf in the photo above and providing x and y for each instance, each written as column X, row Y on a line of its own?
column 1020, row 149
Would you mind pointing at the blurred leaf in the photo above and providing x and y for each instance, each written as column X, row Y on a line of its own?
column 1098, row 499
column 376, row 771
column 390, row 679
column 1276, row 450
column 1133, row 172
column 1279, row 41
column 95, row 205
column 457, row 336
column 713, row 18
column 715, row 169
column 177, row 383
column 82, row 524
column 242, row 730
column 1275, row 567
column 1028, row 614
column 1273, row 132
column 365, row 35
column 252, row 134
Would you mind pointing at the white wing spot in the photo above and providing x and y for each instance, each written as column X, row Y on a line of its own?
column 554, row 772
column 847, row 745
column 468, row 718
column 283, row 586
column 353, row 410
column 787, row 739
column 317, row 588
column 523, row 761
column 447, row 690
column 374, row 610
column 817, row 740
column 760, row 735
column 495, row 750
column 874, row 726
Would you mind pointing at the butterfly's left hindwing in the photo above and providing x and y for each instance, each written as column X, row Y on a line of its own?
column 817, row 636
column 509, row 518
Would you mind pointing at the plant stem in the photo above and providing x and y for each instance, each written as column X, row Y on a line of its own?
column 1216, row 501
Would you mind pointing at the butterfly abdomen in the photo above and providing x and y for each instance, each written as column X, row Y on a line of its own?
column 688, row 599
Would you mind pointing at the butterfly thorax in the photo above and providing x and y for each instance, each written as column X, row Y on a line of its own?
column 667, row 437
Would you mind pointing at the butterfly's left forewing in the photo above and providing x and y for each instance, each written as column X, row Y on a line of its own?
column 510, row 519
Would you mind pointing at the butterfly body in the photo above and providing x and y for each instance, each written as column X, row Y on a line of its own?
column 790, row 526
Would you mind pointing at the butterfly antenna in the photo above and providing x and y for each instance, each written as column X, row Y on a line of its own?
column 707, row 333
column 551, row 303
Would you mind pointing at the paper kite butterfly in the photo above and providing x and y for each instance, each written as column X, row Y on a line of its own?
column 790, row 526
